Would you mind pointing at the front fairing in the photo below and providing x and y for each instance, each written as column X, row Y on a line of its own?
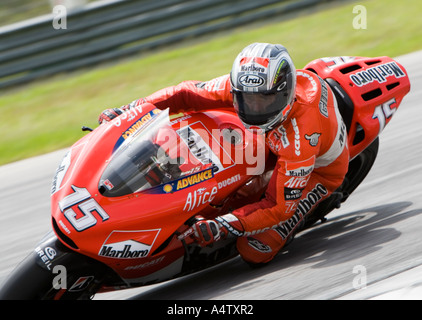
column 125, row 188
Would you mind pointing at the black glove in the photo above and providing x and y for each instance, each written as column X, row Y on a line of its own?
column 109, row 114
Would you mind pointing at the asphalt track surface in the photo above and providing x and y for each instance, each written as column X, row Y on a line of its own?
column 368, row 249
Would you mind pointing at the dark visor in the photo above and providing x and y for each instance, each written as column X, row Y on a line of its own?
column 259, row 108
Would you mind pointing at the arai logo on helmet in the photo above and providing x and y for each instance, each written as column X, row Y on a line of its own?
column 251, row 80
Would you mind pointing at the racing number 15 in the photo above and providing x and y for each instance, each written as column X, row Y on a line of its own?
column 384, row 112
column 87, row 206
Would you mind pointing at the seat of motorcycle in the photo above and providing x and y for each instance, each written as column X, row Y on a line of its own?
column 345, row 104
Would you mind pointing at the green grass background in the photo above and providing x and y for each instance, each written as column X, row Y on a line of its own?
column 47, row 115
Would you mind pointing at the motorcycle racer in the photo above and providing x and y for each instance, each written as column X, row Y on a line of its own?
column 303, row 127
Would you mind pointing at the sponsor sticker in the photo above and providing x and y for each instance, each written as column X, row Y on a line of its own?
column 199, row 197
column 258, row 245
column 229, row 181
column 61, row 172
column 300, row 168
column 305, row 205
column 46, row 255
column 313, row 138
column 278, row 139
column 378, row 73
column 297, row 136
column 136, row 127
column 324, row 98
column 128, row 244
column 182, row 183
column 251, row 80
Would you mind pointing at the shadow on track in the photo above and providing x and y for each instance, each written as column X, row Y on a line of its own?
column 357, row 233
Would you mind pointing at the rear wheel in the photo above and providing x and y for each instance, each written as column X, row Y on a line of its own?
column 359, row 168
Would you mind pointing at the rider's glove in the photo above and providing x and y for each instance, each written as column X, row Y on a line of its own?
column 206, row 232
column 109, row 114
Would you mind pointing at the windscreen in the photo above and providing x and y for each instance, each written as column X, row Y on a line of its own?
column 140, row 162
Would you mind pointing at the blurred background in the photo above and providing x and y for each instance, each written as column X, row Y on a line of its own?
column 12, row 11
column 63, row 61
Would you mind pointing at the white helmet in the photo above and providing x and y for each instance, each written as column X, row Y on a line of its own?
column 263, row 80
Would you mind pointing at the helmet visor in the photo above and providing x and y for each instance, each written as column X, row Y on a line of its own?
column 259, row 109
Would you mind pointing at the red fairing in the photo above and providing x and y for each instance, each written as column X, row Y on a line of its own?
column 133, row 230
column 375, row 86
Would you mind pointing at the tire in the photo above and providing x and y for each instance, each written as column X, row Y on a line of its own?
column 359, row 168
column 27, row 282
column 80, row 276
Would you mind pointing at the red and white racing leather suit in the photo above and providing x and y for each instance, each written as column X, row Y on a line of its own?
column 312, row 157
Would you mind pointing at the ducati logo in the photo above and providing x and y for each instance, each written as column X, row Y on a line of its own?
column 313, row 138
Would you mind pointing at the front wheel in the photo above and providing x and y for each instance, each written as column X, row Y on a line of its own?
column 54, row 272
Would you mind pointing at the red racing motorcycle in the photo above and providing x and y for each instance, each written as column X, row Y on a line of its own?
column 125, row 194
